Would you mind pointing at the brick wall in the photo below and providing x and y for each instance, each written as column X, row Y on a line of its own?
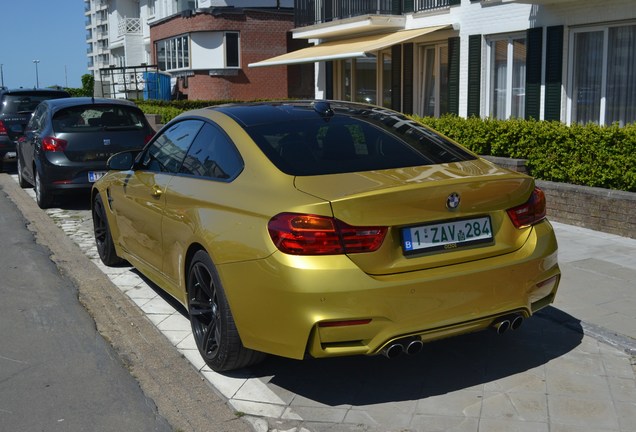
column 599, row 209
column 262, row 35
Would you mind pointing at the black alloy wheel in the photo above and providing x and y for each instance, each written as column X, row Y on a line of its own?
column 212, row 323
column 103, row 237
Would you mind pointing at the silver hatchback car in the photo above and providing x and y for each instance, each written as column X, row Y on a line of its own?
column 68, row 141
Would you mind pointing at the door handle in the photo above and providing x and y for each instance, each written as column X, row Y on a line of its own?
column 156, row 191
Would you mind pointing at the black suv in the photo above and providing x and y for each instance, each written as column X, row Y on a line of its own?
column 16, row 107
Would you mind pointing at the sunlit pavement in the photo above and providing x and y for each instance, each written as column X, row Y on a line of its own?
column 566, row 369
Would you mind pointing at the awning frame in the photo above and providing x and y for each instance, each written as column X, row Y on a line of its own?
column 363, row 46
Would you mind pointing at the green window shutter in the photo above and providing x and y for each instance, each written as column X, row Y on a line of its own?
column 408, row 6
column 407, row 78
column 454, row 2
column 453, row 75
column 553, row 73
column 396, row 7
column 474, row 75
column 533, row 72
column 396, row 78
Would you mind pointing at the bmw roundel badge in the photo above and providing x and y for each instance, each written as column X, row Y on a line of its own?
column 452, row 202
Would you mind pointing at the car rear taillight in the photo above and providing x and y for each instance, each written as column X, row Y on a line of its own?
column 52, row 144
column 3, row 128
column 530, row 213
column 148, row 138
column 301, row 234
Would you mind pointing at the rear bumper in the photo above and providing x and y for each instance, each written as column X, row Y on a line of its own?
column 280, row 302
column 67, row 176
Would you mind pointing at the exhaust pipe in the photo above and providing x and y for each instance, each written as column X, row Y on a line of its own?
column 516, row 322
column 502, row 326
column 414, row 347
column 510, row 322
column 393, row 350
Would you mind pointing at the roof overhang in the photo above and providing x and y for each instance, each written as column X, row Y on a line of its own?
column 347, row 48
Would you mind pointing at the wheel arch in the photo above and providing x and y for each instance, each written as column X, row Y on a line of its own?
column 189, row 255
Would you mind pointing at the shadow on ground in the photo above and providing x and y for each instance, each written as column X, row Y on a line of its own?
column 442, row 366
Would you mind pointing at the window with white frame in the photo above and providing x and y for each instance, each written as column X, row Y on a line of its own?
column 358, row 80
column 603, row 75
column 433, row 82
column 173, row 53
column 507, row 76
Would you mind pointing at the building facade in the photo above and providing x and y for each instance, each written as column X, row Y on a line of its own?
column 202, row 45
column 207, row 51
column 567, row 60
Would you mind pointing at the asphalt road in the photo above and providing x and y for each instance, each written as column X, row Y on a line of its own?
column 57, row 373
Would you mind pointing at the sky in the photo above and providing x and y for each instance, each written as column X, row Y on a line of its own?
column 51, row 31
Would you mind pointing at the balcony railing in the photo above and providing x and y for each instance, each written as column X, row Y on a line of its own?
column 129, row 26
column 309, row 12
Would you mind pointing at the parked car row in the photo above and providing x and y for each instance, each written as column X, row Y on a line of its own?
column 297, row 228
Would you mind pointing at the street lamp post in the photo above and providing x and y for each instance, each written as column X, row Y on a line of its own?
column 37, row 79
column 2, row 75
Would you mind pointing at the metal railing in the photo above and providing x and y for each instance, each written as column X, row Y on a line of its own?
column 309, row 12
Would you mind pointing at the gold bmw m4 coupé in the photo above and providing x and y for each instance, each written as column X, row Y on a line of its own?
column 325, row 229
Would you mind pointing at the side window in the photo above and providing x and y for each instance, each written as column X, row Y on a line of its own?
column 37, row 118
column 168, row 150
column 212, row 155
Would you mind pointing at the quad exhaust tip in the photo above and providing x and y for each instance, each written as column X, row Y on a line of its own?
column 409, row 346
column 414, row 345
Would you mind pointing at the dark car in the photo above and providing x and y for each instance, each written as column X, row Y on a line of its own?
column 68, row 141
column 16, row 107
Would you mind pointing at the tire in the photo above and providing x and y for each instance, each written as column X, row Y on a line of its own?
column 43, row 197
column 19, row 168
column 212, row 323
column 103, row 237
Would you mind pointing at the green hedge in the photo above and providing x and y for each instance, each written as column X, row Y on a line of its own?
column 588, row 155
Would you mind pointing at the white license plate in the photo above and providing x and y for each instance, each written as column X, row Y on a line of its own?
column 10, row 155
column 447, row 235
column 93, row 176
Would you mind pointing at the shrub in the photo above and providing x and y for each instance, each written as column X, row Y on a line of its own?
column 589, row 155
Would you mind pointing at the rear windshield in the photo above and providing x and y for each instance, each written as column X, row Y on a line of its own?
column 25, row 102
column 366, row 141
column 91, row 118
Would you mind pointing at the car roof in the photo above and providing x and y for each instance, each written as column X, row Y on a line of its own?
column 75, row 101
column 255, row 113
column 5, row 90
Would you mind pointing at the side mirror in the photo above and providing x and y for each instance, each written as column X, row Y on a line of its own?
column 121, row 161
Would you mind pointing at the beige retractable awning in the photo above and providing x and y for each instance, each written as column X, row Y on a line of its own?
column 346, row 48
